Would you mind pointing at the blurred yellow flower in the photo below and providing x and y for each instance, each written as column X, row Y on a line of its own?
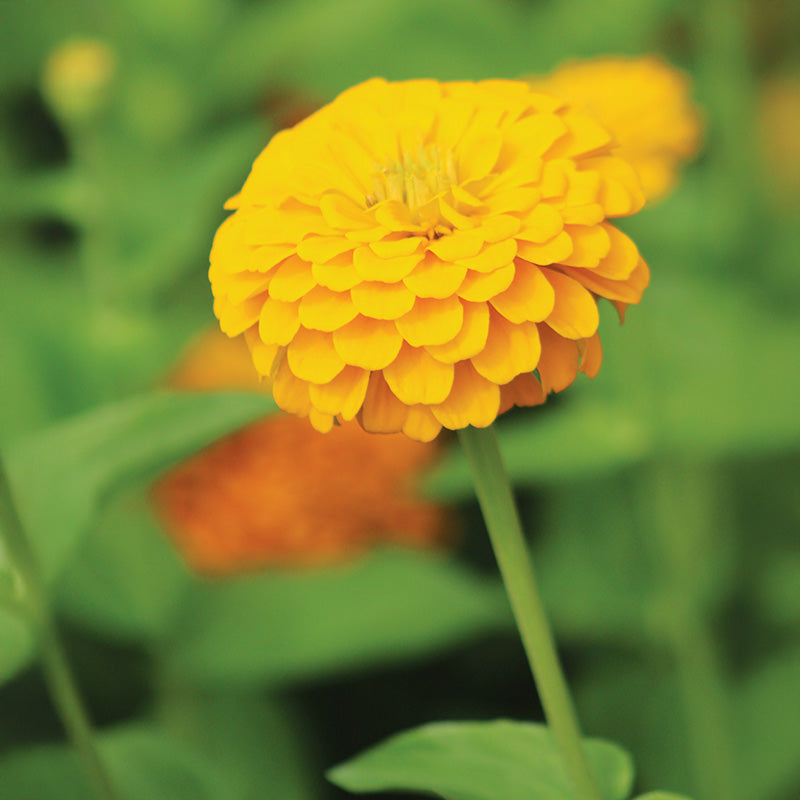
column 76, row 76
column 279, row 494
column 645, row 102
column 412, row 252
column 778, row 126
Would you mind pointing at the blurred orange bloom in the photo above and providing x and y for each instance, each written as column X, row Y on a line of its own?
column 278, row 493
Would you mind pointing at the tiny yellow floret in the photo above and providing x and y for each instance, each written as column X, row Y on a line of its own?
column 422, row 255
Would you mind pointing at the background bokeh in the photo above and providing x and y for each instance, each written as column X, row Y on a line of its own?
column 661, row 497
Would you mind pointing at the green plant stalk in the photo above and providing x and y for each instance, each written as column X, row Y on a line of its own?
column 56, row 669
column 680, row 501
column 508, row 541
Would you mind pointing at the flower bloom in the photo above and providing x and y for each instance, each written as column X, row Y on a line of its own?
column 410, row 254
column 279, row 494
column 644, row 102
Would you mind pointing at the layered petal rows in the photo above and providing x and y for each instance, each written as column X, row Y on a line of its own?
column 645, row 102
column 422, row 255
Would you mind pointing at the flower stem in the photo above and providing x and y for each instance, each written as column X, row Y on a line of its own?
column 56, row 669
column 508, row 541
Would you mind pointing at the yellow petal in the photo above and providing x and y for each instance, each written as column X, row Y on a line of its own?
column 622, row 257
column 338, row 274
column 278, row 322
column 587, row 214
column 324, row 310
column 627, row 291
column 498, row 227
column 433, row 277
column 341, row 213
column 343, row 395
column 478, row 287
column 291, row 280
column 368, row 343
column 591, row 356
column 536, row 134
column 558, row 365
column 264, row 355
column 472, row 401
column 319, row 249
column 421, row 425
column 457, row 245
column 589, row 245
column 431, row 322
column 477, row 154
column 417, row 377
column 395, row 216
column 372, row 267
column 574, row 313
column 381, row 412
column 620, row 188
column 585, row 137
column 390, row 248
column 290, row 393
column 236, row 318
column 523, row 391
column 492, row 257
column 312, row 357
column 541, row 225
column 517, row 199
column 321, row 422
column 470, row 340
column 454, row 217
column 529, row 298
column 552, row 252
column 245, row 285
column 382, row 300
column 509, row 351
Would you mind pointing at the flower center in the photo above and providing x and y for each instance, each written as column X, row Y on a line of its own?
column 418, row 180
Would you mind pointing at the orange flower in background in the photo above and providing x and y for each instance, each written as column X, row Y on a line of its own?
column 778, row 126
column 645, row 102
column 411, row 253
column 277, row 493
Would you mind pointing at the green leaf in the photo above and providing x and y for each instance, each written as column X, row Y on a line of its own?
column 62, row 474
column 480, row 761
column 143, row 763
column 661, row 796
column 125, row 579
column 16, row 643
column 281, row 626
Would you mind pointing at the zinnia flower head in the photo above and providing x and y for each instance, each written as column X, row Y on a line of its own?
column 279, row 494
column 411, row 253
column 645, row 102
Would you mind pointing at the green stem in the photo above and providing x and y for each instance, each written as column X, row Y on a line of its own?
column 508, row 541
column 682, row 504
column 55, row 666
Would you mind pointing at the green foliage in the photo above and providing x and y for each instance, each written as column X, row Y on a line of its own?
column 470, row 760
column 61, row 475
column 280, row 627
column 143, row 763
column 16, row 642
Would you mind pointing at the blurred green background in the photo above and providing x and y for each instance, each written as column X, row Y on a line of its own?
column 661, row 497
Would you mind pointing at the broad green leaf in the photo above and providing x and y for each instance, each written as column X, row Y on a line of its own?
column 480, row 761
column 125, row 579
column 62, row 474
column 16, row 643
column 143, row 764
column 281, row 626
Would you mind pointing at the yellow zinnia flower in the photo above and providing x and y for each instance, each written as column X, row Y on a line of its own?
column 278, row 494
column 411, row 253
column 645, row 102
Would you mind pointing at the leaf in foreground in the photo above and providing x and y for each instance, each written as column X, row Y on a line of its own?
column 480, row 761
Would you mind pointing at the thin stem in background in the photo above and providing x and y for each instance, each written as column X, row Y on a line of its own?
column 680, row 501
column 55, row 666
column 508, row 541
